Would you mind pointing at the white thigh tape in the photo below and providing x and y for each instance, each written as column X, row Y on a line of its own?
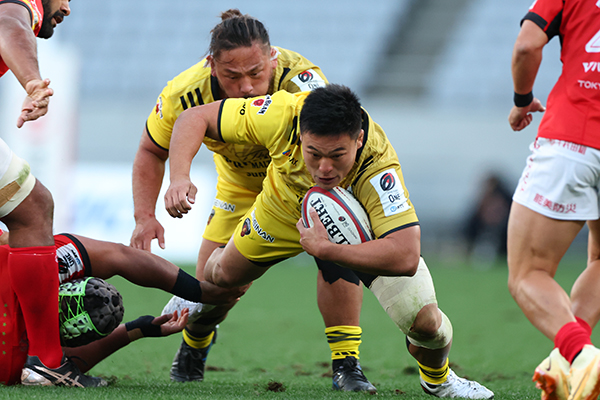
column 402, row 297
column 442, row 337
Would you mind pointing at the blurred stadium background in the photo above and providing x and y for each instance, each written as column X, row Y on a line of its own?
column 435, row 74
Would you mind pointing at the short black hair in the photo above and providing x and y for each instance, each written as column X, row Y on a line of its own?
column 330, row 111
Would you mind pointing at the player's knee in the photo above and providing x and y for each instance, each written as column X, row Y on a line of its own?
column 431, row 329
column 43, row 200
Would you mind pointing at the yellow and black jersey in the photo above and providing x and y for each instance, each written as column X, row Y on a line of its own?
column 273, row 122
column 242, row 165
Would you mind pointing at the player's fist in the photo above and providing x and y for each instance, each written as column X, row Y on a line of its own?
column 179, row 197
column 520, row 117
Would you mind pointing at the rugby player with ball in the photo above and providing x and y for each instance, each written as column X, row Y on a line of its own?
column 324, row 138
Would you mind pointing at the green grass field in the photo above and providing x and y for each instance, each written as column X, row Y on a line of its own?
column 276, row 335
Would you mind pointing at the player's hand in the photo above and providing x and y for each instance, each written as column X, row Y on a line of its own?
column 36, row 103
column 520, row 117
column 145, row 231
column 314, row 240
column 171, row 323
column 179, row 197
column 215, row 295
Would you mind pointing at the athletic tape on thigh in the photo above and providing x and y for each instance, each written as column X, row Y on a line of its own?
column 402, row 297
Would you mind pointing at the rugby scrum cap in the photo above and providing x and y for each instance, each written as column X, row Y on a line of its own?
column 89, row 309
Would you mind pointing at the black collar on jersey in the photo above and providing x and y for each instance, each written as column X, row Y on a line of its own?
column 365, row 128
column 215, row 88
column 369, row 160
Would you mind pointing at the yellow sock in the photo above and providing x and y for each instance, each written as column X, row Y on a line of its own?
column 198, row 342
column 435, row 376
column 343, row 341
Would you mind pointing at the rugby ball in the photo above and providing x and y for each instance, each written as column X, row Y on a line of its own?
column 340, row 212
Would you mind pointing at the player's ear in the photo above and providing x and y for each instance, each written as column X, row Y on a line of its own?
column 273, row 57
column 359, row 140
column 210, row 60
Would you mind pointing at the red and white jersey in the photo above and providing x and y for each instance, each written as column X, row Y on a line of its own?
column 36, row 12
column 573, row 108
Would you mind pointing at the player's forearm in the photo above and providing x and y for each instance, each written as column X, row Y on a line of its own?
column 188, row 133
column 147, row 177
column 376, row 257
column 86, row 357
column 18, row 49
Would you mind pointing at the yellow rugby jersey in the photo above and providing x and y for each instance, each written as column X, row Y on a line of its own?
column 273, row 122
column 243, row 165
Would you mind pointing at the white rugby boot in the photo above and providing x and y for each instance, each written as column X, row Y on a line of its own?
column 457, row 388
column 178, row 304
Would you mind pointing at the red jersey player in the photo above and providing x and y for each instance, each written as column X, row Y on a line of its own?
column 558, row 193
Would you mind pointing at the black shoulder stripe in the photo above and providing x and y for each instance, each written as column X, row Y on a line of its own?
column 183, row 103
column 21, row 3
column 190, row 97
column 199, row 96
column 283, row 75
column 399, row 229
column 152, row 139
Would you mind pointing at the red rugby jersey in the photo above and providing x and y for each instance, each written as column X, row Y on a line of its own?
column 36, row 12
column 573, row 108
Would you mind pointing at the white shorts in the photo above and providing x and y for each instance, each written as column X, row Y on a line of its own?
column 16, row 181
column 561, row 180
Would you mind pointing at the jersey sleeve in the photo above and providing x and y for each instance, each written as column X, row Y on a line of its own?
column 386, row 200
column 162, row 118
column 259, row 120
column 35, row 9
column 547, row 14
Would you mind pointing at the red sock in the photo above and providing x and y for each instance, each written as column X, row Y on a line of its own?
column 33, row 275
column 585, row 325
column 570, row 339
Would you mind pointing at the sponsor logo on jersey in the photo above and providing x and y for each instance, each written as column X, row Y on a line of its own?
column 245, row 227
column 259, row 231
column 391, row 192
column 210, row 217
column 332, row 229
column 70, row 265
column 308, row 80
column 589, row 85
column 159, row 105
column 554, row 206
column 223, row 205
column 591, row 66
column 263, row 103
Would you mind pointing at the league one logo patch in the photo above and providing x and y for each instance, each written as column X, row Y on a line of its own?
column 387, row 182
column 305, row 76
column 390, row 194
column 308, row 80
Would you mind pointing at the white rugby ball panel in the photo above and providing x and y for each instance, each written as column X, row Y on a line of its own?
column 342, row 215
